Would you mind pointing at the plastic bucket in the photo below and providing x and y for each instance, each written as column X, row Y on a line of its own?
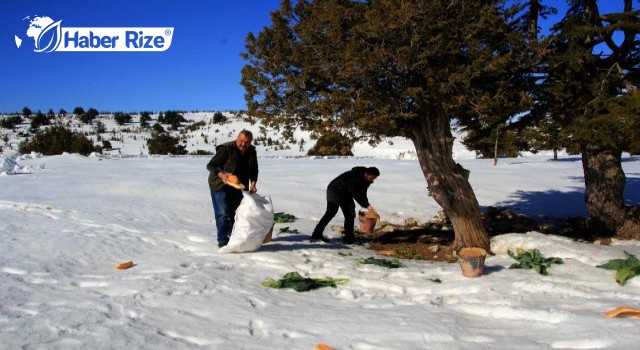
column 471, row 261
column 368, row 221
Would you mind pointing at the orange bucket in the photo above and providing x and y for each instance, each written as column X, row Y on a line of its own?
column 368, row 221
column 471, row 261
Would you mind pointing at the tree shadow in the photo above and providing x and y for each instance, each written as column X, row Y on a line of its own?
column 548, row 203
column 632, row 189
column 555, row 203
column 300, row 241
column 631, row 159
column 567, row 159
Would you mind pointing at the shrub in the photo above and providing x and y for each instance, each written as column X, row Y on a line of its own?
column 86, row 118
column 100, row 128
column 171, row 117
column 219, row 118
column 157, row 128
column 145, row 117
column 201, row 152
column 56, row 140
column 10, row 122
column 38, row 120
column 122, row 118
column 165, row 144
column 196, row 126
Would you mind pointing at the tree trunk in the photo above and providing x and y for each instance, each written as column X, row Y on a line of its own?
column 495, row 151
column 449, row 182
column 604, row 193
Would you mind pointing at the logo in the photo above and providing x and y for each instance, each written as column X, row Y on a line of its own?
column 48, row 36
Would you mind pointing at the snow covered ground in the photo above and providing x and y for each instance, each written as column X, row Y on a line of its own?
column 66, row 221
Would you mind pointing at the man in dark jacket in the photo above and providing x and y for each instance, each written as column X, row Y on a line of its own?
column 341, row 192
column 232, row 158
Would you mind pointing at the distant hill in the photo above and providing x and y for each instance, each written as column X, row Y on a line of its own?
column 200, row 134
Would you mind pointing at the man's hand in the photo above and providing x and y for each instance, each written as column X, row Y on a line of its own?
column 224, row 176
column 371, row 209
column 252, row 187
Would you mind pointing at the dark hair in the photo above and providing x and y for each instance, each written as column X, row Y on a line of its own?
column 247, row 133
column 373, row 171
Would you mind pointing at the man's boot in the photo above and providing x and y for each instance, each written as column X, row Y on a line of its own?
column 318, row 236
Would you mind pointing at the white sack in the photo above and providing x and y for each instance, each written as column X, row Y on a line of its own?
column 254, row 219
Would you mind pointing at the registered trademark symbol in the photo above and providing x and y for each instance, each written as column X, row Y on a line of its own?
column 167, row 32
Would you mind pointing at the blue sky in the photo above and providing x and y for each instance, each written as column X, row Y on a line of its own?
column 200, row 71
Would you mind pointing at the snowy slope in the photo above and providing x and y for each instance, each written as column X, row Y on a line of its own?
column 130, row 139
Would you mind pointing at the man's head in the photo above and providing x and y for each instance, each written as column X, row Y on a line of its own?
column 371, row 173
column 244, row 140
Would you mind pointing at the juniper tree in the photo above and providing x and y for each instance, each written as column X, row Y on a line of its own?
column 592, row 89
column 545, row 135
column 376, row 69
column 145, row 117
column 482, row 137
column 78, row 111
column 26, row 112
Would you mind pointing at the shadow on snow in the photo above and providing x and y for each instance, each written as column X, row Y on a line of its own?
column 556, row 203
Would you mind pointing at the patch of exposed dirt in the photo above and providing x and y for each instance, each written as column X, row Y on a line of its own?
column 432, row 240
column 416, row 242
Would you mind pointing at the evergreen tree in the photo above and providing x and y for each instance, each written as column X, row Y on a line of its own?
column 145, row 117
column 591, row 89
column 501, row 142
column 92, row 113
column 331, row 144
column 26, row 112
column 78, row 111
column 482, row 136
column 376, row 69
column 545, row 135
